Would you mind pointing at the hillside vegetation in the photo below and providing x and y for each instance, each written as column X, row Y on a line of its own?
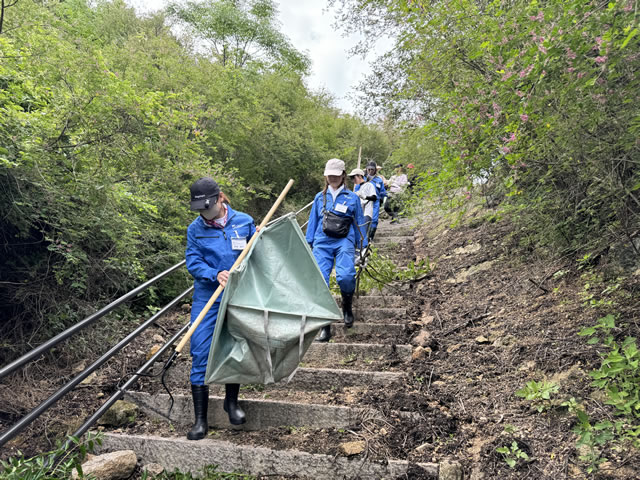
column 107, row 117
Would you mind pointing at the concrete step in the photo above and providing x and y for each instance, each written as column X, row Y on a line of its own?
column 393, row 240
column 354, row 355
column 380, row 315
column 381, row 301
column 380, row 332
column 261, row 414
column 383, row 232
column 311, row 379
column 336, row 354
column 190, row 456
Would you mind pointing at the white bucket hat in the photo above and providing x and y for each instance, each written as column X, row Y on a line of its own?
column 335, row 166
column 357, row 171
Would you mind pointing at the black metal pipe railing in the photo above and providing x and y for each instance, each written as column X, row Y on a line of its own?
column 36, row 352
column 121, row 391
column 295, row 213
column 40, row 409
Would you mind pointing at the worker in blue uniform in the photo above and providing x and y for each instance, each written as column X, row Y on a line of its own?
column 381, row 193
column 336, row 228
column 214, row 241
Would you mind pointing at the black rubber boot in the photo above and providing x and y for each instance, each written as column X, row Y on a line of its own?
column 372, row 233
column 347, row 302
column 200, row 394
column 236, row 415
column 325, row 334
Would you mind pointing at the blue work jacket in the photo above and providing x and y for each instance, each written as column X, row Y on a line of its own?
column 381, row 194
column 210, row 250
column 357, row 233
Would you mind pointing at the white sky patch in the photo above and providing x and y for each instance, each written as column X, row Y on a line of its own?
column 309, row 28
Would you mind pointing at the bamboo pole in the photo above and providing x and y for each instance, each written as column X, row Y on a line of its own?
column 359, row 156
column 238, row 261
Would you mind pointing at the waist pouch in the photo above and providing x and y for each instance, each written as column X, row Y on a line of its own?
column 334, row 225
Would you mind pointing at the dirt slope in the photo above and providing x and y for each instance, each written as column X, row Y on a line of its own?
column 498, row 317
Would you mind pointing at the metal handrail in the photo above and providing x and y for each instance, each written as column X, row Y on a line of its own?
column 40, row 409
column 295, row 214
column 36, row 352
column 121, row 391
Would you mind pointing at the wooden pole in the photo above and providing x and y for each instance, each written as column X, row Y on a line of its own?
column 238, row 261
column 359, row 155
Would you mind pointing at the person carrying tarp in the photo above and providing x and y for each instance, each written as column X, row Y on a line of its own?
column 334, row 233
column 214, row 241
column 381, row 193
column 367, row 193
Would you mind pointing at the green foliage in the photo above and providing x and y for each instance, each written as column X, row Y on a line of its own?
column 532, row 103
column 539, row 393
column 56, row 464
column 105, row 120
column 619, row 377
column 239, row 32
column 512, row 454
column 381, row 271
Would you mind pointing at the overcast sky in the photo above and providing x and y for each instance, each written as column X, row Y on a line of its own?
column 309, row 27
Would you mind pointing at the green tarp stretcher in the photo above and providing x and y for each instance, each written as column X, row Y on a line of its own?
column 272, row 308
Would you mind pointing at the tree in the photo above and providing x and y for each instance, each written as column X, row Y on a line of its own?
column 4, row 5
column 239, row 31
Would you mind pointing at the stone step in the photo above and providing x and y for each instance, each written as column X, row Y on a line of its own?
column 190, row 456
column 393, row 240
column 377, row 314
column 354, row 354
column 381, row 301
column 261, row 413
column 381, row 332
column 319, row 357
column 306, row 379
column 383, row 232
column 326, row 378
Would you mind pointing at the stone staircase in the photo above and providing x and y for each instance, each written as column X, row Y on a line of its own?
column 309, row 428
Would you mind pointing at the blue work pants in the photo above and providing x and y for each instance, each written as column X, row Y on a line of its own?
column 342, row 253
column 201, row 338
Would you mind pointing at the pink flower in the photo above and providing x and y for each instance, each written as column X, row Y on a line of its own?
column 507, row 76
column 542, row 49
column 526, row 71
column 570, row 69
column 520, row 93
column 601, row 59
column 505, row 150
column 512, row 138
column 524, row 117
column 570, row 54
column 581, row 74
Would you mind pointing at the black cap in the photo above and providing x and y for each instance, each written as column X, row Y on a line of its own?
column 372, row 164
column 204, row 192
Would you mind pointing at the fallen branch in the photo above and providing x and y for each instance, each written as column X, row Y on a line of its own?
column 538, row 285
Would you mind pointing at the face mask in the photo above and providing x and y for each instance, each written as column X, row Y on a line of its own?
column 212, row 212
